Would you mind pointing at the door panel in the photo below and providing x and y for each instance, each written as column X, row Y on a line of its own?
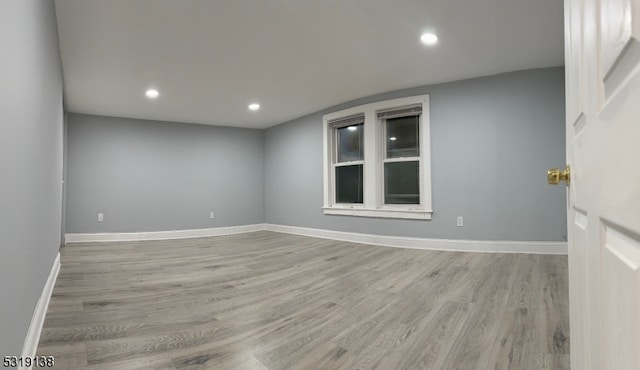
column 573, row 55
column 619, row 40
column 621, row 254
column 616, row 30
column 577, row 263
column 602, row 57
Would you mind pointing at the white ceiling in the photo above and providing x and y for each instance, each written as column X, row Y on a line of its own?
column 210, row 59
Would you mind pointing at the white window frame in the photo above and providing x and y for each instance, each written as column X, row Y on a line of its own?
column 373, row 170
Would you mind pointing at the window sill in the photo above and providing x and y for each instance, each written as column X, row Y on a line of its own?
column 377, row 212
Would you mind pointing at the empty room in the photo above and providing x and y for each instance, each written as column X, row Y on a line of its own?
column 365, row 184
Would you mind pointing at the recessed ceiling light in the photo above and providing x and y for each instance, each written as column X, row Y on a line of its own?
column 393, row 138
column 152, row 93
column 429, row 39
column 352, row 128
column 254, row 106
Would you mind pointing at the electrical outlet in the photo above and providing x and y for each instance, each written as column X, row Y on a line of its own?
column 460, row 221
column 100, row 216
column 211, row 214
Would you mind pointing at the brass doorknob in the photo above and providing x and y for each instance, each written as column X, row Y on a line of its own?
column 554, row 176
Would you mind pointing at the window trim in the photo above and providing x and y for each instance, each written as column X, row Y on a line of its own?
column 373, row 172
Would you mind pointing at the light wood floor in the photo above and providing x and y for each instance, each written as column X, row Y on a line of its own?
column 266, row 300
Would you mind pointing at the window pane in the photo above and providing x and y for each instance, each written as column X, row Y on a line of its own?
column 351, row 143
column 349, row 184
column 401, row 185
column 402, row 137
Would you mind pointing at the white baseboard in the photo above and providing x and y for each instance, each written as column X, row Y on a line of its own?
column 30, row 346
column 487, row 246
column 161, row 235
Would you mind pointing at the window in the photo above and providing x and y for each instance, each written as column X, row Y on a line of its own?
column 377, row 160
column 349, row 163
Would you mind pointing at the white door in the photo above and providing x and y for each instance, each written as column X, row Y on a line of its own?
column 602, row 57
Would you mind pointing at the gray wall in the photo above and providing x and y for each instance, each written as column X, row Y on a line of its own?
column 156, row 176
column 31, row 162
column 492, row 138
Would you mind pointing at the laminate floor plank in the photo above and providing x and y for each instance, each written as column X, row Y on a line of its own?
column 428, row 342
column 512, row 348
column 68, row 355
column 269, row 301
